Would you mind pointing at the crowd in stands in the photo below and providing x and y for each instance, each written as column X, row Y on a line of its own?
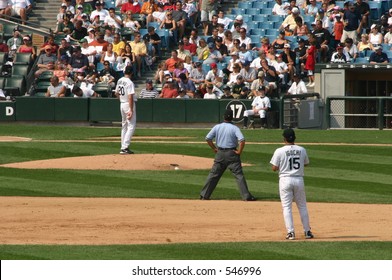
column 212, row 55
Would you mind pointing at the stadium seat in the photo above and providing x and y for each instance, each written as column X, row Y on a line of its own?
column 103, row 89
column 3, row 57
column 20, row 70
column 361, row 60
column 255, row 38
column 259, row 5
column 252, row 11
column 375, row 10
column 266, row 25
column 2, row 80
column 245, row 5
column 260, row 18
column 153, row 24
column 238, row 11
column 164, row 34
column 8, row 30
column 258, row 31
column 15, row 86
column 22, row 58
column 275, row 18
column 267, row 11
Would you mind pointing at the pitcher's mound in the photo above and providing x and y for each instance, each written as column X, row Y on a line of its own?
column 120, row 162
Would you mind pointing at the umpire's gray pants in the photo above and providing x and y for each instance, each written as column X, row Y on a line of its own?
column 225, row 159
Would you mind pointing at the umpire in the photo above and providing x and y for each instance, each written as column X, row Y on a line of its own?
column 227, row 156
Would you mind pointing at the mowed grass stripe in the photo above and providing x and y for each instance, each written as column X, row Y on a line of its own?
column 302, row 250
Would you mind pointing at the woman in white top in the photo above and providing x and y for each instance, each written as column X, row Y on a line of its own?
column 375, row 37
column 109, row 55
column 233, row 76
column 132, row 25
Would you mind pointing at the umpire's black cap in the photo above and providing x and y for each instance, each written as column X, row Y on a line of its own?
column 228, row 115
column 289, row 135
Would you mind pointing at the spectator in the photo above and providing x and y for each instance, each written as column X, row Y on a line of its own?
column 90, row 35
column 244, row 54
column 311, row 60
column 182, row 53
column 149, row 92
column 83, row 91
column 108, row 75
column 140, row 51
column 237, row 86
column 20, row 8
column 213, row 36
column 197, row 75
column 55, row 89
column 87, row 8
column 189, row 46
column 203, row 50
column 79, row 31
column 236, row 68
column 188, row 63
column 256, row 63
column 192, row 12
column 131, row 5
column 208, row 9
column 62, row 13
column 46, row 61
column 112, row 20
column 70, row 8
column 245, row 39
column 88, row 51
column 324, row 19
column 244, row 93
column 300, row 29
column 300, row 53
column 388, row 36
column 378, row 56
column 78, row 14
column 179, row 69
column 280, row 9
column 362, row 8
column 118, row 45
column 214, row 56
column 210, row 94
column 129, row 24
column 14, row 42
column 3, row 46
column 248, row 73
column 169, row 90
column 78, row 61
column 128, row 56
column 210, row 26
column 282, row 70
column 85, row 21
column 224, row 20
column 64, row 26
column 260, row 81
column 322, row 37
column 364, row 44
column 96, row 23
column 160, row 73
column 100, row 45
column 352, row 24
column 170, row 24
column 172, row 61
column 147, row 9
column 214, row 76
column 350, row 49
column 298, row 86
column 270, row 75
column 338, row 27
column 339, row 56
column 278, row 43
column 109, row 55
column 239, row 20
column 290, row 19
column 312, row 8
column 236, row 32
column 375, row 36
column 160, row 14
column 186, row 84
column 27, row 47
column 182, row 94
column 99, row 11
column 180, row 17
column 194, row 37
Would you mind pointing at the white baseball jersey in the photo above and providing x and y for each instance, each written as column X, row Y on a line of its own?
column 291, row 160
column 261, row 102
column 124, row 88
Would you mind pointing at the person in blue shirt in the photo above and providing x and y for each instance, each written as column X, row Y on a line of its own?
column 378, row 56
column 227, row 155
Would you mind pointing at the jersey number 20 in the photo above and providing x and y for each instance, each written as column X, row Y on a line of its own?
column 294, row 163
column 121, row 90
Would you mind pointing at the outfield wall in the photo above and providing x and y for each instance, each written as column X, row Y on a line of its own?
column 107, row 109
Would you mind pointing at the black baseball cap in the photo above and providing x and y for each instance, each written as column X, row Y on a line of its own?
column 148, row 81
column 228, row 115
column 289, row 135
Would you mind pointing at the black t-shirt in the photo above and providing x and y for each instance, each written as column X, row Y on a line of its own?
column 79, row 34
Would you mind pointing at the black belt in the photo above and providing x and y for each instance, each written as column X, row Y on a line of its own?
column 227, row 149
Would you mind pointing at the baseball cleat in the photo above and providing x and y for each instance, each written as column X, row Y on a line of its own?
column 309, row 234
column 126, row 152
column 251, row 198
column 290, row 236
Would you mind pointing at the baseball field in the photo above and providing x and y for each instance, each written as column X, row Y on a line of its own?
column 66, row 193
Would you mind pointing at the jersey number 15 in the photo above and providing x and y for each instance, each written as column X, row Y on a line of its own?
column 295, row 163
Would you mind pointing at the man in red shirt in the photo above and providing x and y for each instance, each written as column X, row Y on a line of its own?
column 169, row 90
column 188, row 46
column 3, row 46
column 131, row 5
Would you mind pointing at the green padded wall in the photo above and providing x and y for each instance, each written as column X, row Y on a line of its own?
column 71, row 109
column 104, row 109
column 144, row 110
column 202, row 111
column 35, row 109
column 169, row 110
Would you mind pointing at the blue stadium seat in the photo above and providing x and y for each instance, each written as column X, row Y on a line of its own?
column 266, row 11
column 252, row 11
column 245, row 5
column 266, row 25
column 361, row 60
column 259, row 5
column 255, row 38
column 274, row 32
column 275, row 18
column 259, row 32
column 238, row 11
column 375, row 10
column 260, row 18
column 206, row 68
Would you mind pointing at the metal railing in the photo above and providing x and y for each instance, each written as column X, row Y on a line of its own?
column 373, row 112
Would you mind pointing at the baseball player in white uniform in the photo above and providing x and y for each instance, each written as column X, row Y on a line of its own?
column 125, row 91
column 290, row 160
column 260, row 105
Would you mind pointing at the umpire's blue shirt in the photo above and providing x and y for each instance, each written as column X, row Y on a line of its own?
column 227, row 135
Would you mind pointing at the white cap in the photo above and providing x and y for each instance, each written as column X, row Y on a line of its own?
column 373, row 26
column 295, row 10
column 287, row 45
column 239, row 17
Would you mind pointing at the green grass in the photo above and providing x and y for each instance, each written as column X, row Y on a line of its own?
column 338, row 173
